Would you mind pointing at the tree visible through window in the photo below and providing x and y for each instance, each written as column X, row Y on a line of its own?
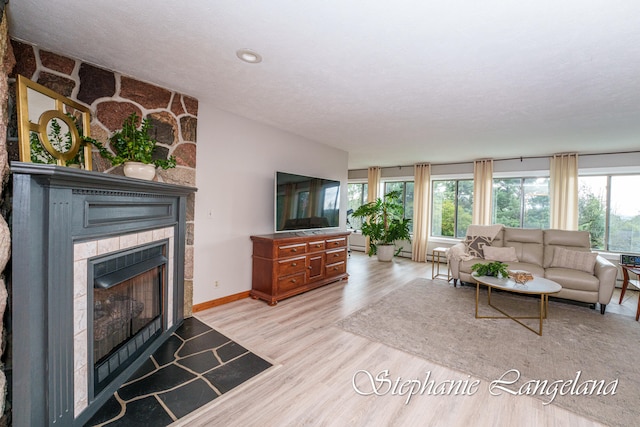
column 521, row 202
column 451, row 207
column 406, row 189
column 357, row 195
column 592, row 208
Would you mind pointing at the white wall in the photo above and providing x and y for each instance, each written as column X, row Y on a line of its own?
column 236, row 163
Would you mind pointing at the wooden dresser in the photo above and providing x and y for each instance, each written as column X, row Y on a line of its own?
column 288, row 264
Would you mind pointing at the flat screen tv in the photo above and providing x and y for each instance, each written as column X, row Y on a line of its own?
column 305, row 202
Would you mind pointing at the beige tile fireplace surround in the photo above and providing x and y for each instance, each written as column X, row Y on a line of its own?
column 82, row 252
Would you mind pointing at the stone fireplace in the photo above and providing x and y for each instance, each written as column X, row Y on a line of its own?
column 98, row 286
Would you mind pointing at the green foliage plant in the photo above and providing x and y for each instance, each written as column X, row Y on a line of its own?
column 495, row 268
column 133, row 143
column 384, row 222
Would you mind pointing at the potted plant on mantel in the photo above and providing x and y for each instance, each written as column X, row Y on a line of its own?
column 134, row 147
column 384, row 224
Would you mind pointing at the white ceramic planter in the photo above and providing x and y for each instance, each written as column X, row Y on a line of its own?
column 139, row 170
column 385, row 252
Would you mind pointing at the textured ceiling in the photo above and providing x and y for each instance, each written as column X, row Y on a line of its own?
column 391, row 83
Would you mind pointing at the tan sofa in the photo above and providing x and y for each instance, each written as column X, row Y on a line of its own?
column 535, row 250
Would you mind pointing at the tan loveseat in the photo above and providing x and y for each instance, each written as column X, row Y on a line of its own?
column 584, row 276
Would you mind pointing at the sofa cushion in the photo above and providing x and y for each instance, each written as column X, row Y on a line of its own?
column 573, row 279
column 529, row 244
column 575, row 260
column 574, row 240
column 475, row 244
column 507, row 254
column 534, row 269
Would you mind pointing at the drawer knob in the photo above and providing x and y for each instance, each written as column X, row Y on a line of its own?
column 293, row 264
column 293, row 280
column 294, row 249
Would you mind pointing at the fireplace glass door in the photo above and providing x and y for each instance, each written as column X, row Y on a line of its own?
column 127, row 309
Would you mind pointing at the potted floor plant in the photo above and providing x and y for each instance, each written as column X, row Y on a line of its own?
column 134, row 146
column 384, row 224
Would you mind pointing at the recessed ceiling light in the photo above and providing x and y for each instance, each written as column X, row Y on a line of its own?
column 247, row 55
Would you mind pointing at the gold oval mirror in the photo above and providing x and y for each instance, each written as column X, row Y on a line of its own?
column 59, row 135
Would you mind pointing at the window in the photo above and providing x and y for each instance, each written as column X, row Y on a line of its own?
column 608, row 210
column 624, row 214
column 357, row 196
column 451, row 208
column 521, row 202
column 406, row 189
column 592, row 208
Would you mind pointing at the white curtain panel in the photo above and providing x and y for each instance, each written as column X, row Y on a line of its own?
column 563, row 191
column 421, row 191
column 482, row 191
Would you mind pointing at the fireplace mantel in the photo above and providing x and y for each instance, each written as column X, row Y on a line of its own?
column 57, row 210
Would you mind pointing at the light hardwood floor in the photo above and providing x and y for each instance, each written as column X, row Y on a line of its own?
column 315, row 362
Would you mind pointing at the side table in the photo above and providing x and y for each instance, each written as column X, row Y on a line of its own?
column 625, row 273
column 435, row 263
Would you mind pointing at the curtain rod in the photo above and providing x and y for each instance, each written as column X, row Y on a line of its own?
column 521, row 158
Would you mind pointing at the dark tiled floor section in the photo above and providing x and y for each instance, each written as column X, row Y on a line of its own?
column 194, row 366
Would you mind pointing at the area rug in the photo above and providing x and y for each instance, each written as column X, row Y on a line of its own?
column 589, row 357
column 194, row 366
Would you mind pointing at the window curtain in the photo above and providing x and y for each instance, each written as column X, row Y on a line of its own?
column 373, row 182
column 421, row 191
column 482, row 191
column 563, row 191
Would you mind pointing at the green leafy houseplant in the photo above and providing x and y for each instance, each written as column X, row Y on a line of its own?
column 495, row 268
column 384, row 222
column 134, row 144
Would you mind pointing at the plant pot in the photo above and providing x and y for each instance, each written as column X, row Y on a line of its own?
column 139, row 170
column 385, row 252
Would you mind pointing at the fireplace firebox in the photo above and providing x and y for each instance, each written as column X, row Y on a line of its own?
column 127, row 308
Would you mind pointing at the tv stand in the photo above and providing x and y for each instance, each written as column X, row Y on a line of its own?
column 288, row 264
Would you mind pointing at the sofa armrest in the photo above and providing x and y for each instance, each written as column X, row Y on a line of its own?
column 607, row 274
column 454, row 257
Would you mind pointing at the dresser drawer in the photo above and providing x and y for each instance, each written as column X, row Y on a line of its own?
column 290, row 282
column 291, row 266
column 291, row 250
column 336, row 255
column 335, row 269
column 316, row 246
column 336, row 243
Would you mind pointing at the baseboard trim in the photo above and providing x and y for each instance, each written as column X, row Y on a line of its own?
column 220, row 301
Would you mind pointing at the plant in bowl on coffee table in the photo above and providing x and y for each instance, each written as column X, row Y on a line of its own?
column 495, row 268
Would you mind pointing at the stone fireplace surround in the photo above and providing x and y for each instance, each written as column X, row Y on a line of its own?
column 63, row 217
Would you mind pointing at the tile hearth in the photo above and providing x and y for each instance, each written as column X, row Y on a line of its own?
column 194, row 366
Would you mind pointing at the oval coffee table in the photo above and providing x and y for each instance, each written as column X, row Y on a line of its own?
column 537, row 286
